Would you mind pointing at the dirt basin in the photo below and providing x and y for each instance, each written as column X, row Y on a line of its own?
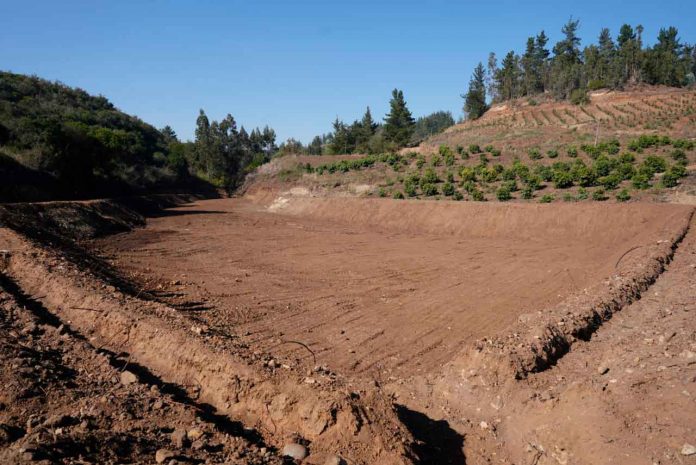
column 379, row 288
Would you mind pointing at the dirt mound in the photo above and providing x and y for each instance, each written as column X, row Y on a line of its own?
column 66, row 401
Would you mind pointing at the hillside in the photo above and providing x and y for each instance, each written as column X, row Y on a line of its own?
column 622, row 146
column 58, row 141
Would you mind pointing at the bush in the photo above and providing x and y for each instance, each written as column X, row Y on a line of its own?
column 534, row 153
column 562, row 179
column 656, row 163
column 429, row 177
column 640, row 181
column 582, row 194
column 467, row 174
column 474, row 148
column 382, row 192
column 623, row 195
column 627, row 157
column 572, row 151
column 410, row 189
column 457, row 195
column 599, row 195
column 420, row 161
column 503, row 194
column 495, row 152
column 678, row 155
column 568, row 197
column 610, row 182
column 429, row 189
column 579, row 97
column 436, row 160
column 510, row 185
column 447, row 189
column 398, row 195
column 477, row 195
column 527, row 192
column 552, row 153
column 547, row 198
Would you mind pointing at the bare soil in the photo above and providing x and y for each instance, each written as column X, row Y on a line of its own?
column 389, row 300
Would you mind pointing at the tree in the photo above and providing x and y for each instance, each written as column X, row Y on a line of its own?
column 508, row 77
column 399, row 124
column 315, row 147
column 492, row 71
column 566, row 64
column 434, row 123
column 662, row 63
column 475, row 98
column 203, row 147
column 364, row 130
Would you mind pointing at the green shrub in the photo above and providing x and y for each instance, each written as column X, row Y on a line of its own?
column 562, row 179
column 398, row 195
column 656, row 163
column 495, row 152
column 420, row 161
column 599, row 195
column 503, row 194
column 510, row 185
column 467, row 174
column 572, row 151
column 582, row 175
column 436, row 160
column 683, row 144
column 483, row 159
column 527, row 192
column 429, row 177
column 678, row 155
column 610, row 181
column 457, row 195
column 429, row 189
column 508, row 174
column 547, row 198
column 534, row 153
column 459, row 149
column 474, row 148
column 579, row 97
column 623, row 195
column 627, row 157
column 552, row 153
column 410, row 189
column 568, row 197
column 449, row 176
column 447, row 189
column 625, row 171
column 477, row 195
column 582, row 194
column 640, row 181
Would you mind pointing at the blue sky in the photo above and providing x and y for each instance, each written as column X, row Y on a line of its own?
column 294, row 65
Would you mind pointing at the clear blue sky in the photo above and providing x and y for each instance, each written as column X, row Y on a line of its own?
column 294, row 65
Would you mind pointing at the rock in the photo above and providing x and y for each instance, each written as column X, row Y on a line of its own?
column 602, row 369
column 194, row 434
column 483, row 425
column 295, row 451
column 178, row 438
column 128, row 377
column 334, row 460
column 162, row 455
column 57, row 420
column 688, row 449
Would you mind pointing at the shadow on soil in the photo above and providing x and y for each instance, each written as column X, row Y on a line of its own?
column 122, row 362
column 438, row 443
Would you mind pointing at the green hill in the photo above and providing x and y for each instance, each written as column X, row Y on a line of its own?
column 58, row 141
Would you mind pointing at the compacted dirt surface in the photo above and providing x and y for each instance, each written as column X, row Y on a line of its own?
column 288, row 329
column 390, row 301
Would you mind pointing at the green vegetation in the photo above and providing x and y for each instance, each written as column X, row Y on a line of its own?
column 568, row 72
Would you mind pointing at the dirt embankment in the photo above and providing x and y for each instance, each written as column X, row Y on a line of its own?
column 211, row 368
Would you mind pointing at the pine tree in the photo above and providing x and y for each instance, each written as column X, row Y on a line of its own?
column 475, row 98
column 566, row 63
column 492, row 70
column 508, row 77
column 364, row 130
column 399, row 123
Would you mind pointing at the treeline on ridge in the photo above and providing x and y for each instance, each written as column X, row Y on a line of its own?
column 567, row 72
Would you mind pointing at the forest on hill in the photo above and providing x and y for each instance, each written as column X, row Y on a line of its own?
column 61, row 142
column 568, row 72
